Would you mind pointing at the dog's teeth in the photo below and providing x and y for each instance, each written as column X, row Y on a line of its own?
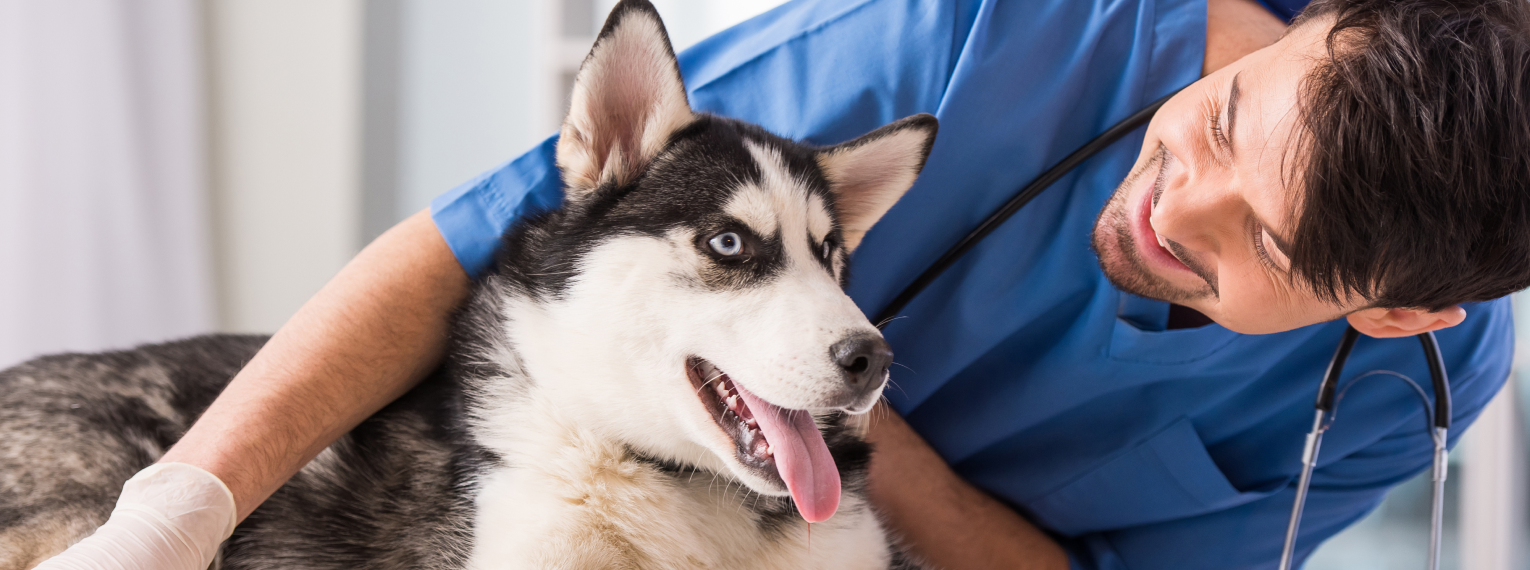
column 732, row 401
column 768, row 450
column 751, row 422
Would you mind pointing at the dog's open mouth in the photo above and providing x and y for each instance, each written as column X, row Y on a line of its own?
column 775, row 442
column 733, row 416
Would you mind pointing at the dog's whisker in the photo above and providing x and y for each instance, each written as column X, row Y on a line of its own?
column 694, row 467
column 878, row 413
column 744, row 494
column 704, row 385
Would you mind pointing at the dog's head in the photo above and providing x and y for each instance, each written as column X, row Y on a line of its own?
column 689, row 295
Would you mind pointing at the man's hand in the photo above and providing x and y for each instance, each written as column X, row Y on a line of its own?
column 171, row 516
column 945, row 521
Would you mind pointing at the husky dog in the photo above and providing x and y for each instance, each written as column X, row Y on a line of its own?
column 663, row 373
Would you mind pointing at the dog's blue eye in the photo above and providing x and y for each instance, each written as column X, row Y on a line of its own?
column 726, row 243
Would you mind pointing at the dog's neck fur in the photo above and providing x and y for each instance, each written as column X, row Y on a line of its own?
column 565, row 495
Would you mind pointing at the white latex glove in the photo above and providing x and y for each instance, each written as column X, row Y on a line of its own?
column 171, row 516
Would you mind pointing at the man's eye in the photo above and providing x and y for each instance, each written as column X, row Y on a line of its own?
column 1271, row 252
column 726, row 243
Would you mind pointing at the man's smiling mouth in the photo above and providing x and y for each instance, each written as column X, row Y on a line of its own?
column 1147, row 240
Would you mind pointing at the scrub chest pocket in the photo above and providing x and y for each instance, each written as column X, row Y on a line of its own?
column 1165, row 477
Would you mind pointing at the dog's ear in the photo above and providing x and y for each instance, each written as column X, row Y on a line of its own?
column 870, row 173
column 627, row 101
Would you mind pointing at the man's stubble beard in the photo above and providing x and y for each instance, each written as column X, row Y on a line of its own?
column 1118, row 257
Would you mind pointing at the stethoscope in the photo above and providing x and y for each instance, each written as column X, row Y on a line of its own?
column 1329, row 394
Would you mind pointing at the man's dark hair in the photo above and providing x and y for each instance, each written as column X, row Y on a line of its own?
column 1415, row 160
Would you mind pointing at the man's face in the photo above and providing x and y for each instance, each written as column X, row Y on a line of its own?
column 1204, row 219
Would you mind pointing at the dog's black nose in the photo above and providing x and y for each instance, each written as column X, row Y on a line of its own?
column 864, row 357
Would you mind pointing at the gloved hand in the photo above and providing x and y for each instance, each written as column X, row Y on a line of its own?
column 171, row 516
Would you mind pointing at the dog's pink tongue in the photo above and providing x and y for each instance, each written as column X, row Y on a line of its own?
column 801, row 457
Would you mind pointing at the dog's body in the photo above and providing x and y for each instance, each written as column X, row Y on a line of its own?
column 583, row 418
column 409, row 488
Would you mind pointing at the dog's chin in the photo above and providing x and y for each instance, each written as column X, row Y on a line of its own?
column 744, row 449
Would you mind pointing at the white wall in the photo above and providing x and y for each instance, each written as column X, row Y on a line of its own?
column 471, row 94
column 102, row 180
column 1493, row 487
column 690, row 21
column 285, row 142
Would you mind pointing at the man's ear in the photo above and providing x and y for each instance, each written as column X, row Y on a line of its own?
column 1389, row 323
column 870, row 173
column 628, row 100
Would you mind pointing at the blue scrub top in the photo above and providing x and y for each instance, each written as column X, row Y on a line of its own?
column 1137, row 447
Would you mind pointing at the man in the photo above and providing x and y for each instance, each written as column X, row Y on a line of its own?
column 1068, row 407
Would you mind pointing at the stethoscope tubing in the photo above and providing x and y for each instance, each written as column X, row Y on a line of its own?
column 1325, row 408
column 1015, row 203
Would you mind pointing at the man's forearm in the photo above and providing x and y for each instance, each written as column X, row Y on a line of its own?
column 368, row 336
column 944, row 520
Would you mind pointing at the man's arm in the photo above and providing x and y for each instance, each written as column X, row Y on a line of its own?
column 369, row 335
column 944, row 520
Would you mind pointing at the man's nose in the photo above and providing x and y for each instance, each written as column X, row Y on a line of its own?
column 863, row 359
column 1186, row 212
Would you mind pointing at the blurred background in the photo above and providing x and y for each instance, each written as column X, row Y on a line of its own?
column 174, row 167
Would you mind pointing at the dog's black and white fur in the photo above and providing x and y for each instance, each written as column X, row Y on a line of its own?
column 588, row 415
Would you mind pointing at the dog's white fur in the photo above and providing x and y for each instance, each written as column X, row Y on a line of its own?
column 581, row 500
